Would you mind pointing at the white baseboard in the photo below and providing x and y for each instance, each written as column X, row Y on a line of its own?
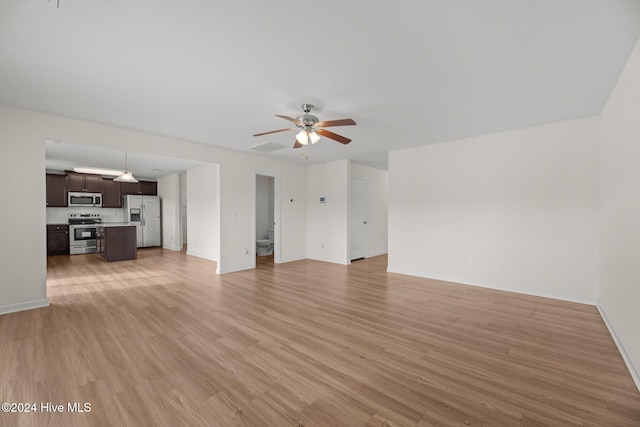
column 199, row 255
column 29, row 305
column 234, row 269
column 374, row 254
column 627, row 360
column 285, row 260
column 331, row 261
column 464, row 281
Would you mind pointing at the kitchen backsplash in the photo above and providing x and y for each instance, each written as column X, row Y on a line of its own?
column 61, row 215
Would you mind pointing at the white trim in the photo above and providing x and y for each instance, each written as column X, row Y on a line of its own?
column 376, row 254
column 285, row 260
column 463, row 281
column 233, row 270
column 331, row 261
column 172, row 248
column 627, row 360
column 277, row 229
column 29, row 305
column 196, row 254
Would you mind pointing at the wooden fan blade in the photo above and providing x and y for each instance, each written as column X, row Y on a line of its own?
column 273, row 131
column 341, row 139
column 341, row 122
column 291, row 119
column 297, row 144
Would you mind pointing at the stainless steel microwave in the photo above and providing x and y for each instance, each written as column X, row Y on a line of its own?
column 85, row 199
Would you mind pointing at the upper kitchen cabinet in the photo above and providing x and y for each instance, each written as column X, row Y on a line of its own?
column 144, row 188
column 80, row 182
column 111, row 194
column 56, row 191
column 149, row 188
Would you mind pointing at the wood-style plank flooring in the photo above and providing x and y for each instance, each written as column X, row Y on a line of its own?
column 163, row 341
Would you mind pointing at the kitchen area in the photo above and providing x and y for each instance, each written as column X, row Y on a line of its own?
column 86, row 192
column 91, row 213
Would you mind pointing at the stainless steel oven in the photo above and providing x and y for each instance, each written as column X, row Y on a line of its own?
column 82, row 233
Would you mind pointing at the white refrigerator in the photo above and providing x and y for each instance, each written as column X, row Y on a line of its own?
column 144, row 213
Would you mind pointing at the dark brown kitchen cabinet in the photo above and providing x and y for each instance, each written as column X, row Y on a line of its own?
column 144, row 188
column 81, row 182
column 149, row 188
column 111, row 194
column 56, row 191
column 57, row 239
column 130, row 188
column 116, row 243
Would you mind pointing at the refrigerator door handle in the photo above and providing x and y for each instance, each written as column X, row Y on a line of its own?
column 143, row 215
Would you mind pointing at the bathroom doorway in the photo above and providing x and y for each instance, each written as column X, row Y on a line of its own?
column 266, row 231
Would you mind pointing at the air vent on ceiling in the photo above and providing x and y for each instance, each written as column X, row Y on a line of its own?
column 267, row 147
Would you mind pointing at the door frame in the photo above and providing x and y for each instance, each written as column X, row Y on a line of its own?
column 277, row 253
column 366, row 210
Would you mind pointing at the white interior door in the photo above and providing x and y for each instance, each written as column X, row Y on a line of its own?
column 358, row 218
column 151, row 217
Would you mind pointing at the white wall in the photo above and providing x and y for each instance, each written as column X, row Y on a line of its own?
column 514, row 210
column 22, row 217
column 377, row 206
column 169, row 193
column 264, row 206
column 619, row 290
column 293, row 217
column 203, row 212
column 327, row 223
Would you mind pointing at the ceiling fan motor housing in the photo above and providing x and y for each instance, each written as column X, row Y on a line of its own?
column 309, row 120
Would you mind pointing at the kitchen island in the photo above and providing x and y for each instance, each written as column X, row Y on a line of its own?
column 116, row 241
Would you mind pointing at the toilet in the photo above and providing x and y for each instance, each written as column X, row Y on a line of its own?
column 265, row 246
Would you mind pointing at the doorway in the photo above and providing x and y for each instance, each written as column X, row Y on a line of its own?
column 267, row 247
column 357, row 218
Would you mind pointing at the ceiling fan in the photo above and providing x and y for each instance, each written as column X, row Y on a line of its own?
column 311, row 128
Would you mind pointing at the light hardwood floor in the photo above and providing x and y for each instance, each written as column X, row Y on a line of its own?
column 163, row 341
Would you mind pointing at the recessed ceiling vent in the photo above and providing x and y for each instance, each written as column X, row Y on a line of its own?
column 267, row 147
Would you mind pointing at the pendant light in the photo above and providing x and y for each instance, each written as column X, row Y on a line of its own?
column 125, row 176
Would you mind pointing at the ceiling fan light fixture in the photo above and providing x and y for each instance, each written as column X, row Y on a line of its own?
column 314, row 137
column 302, row 137
column 310, row 128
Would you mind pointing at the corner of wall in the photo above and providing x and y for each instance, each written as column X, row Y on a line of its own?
column 27, row 305
column 623, row 352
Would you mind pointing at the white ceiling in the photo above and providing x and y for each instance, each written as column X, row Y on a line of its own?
column 62, row 156
column 409, row 72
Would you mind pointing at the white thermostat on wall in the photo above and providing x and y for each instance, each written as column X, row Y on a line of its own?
column 323, row 200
